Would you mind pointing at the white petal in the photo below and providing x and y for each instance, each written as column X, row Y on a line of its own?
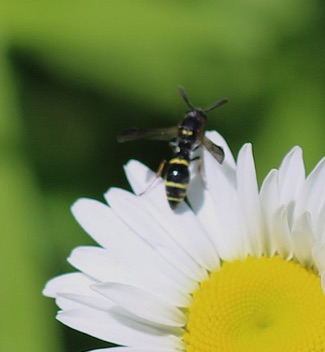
column 281, row 233
column 98, row 220
column 318, row 253
column 133, row 212
column 182, row 224
column 109, row 266
column 141, row 177
column 291, row 176
column 319, row 229
column 311, row 196
column 269, row 200
column 126, row 247
column 189, row 235
column 316, row 196
column 142, row 304
column 95, row 262
column 202, row 204
column 69, row 283
column 249, row 199
column 303, row 240
column 68, row 301
column 118, row 329
column 104, row 304
column 204, row 189
column 225, row 226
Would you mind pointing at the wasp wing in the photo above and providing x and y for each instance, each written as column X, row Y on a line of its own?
column 133, row 134
column 216, row 151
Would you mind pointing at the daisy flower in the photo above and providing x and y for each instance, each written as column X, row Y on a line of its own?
column 239, row 270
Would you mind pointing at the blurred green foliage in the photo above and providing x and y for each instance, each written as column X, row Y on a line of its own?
column 74, row 73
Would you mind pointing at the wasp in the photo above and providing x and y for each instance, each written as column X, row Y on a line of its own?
column 184, row 140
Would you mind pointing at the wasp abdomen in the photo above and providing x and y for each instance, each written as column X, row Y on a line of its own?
column 177, row 178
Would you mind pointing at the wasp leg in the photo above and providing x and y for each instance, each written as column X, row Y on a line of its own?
column 199, row 167
column 196, row 158
column 158, row 174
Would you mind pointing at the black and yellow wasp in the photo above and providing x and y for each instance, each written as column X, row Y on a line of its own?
column 184, row 140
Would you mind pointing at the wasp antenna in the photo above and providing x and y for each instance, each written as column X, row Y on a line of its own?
column 216, row 104
column 185, row 98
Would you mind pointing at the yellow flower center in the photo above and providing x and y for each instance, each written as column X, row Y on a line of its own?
column 264, row 304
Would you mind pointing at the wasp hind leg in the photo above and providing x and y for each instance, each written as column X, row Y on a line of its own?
column 199, row 169
column 159, row 172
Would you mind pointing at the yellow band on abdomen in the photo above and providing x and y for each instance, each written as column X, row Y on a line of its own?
column 179, row 161
column 176, row 185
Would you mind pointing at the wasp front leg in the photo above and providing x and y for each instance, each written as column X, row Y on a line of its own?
column 159, row 172
column 198, row 169
column 198, row 157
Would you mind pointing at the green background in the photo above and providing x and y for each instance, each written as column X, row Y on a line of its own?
column 75, row 73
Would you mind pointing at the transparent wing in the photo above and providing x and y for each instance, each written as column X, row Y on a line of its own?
column 133, row 134
column 216, row 151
